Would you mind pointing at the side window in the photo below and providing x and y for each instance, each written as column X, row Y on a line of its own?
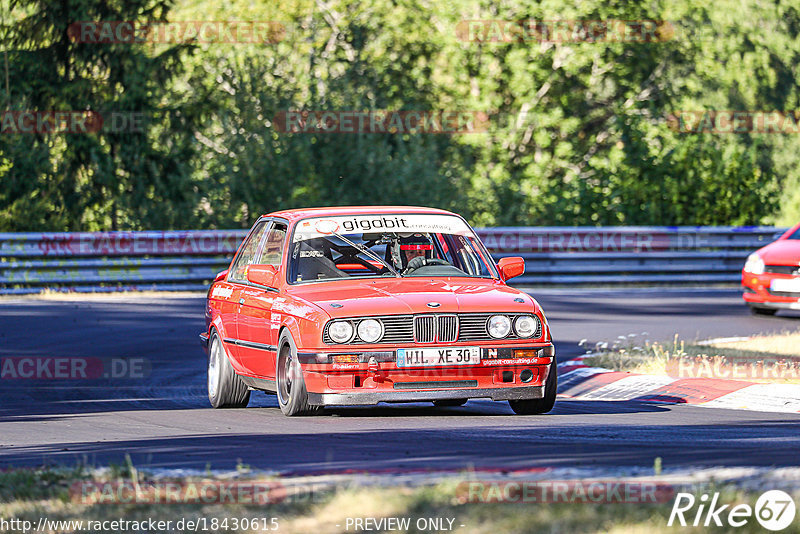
column 247, row 254
column 273, row 246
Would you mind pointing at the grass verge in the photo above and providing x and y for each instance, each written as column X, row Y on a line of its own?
column 33, row 494
column 771, row 358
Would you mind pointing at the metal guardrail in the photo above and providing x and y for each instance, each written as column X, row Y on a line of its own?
column 114, row 261
column 188, row 260
column 637, row 255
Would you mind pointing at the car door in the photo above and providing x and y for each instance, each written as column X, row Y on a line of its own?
column 258, row 325
column 237, row 279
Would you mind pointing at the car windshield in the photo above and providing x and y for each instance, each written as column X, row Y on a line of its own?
column 393, row 245
column 795, row 235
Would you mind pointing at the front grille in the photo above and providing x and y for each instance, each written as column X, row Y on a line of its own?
column 425, row 329
column 473, row 327
column 448, row 328
column 782, row 269
column 433, row 328
column 397, row 329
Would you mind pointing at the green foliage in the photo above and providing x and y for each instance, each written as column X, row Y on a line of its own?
column 579, row 131
column 119, row 176
column 365, row 61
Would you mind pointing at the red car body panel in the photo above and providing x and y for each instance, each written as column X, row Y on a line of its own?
column 782, row 255
column 394, row 296
column 250, row 320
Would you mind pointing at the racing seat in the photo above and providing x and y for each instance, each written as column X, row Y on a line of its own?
column 316, row 266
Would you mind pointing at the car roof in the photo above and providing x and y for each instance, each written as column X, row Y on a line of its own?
column 303, row 213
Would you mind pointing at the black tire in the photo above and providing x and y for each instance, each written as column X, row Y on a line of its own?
column 543, row 405
column 763, row 311
column 449, row 403
column 292, row 393
column 225, row 388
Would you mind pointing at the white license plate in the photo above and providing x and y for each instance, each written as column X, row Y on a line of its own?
column 438, row 356
column 788, row 285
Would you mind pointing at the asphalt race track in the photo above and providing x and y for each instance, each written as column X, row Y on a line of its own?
column 163, row 419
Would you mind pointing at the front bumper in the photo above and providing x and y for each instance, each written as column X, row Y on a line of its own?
column 774, row 305
column 375, row 377
column 374, row 397
column 758, row 293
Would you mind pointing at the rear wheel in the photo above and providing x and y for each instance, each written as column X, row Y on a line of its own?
column 225, row 388
column 543, row 405
column 445, row 403
column 292, row 393
column 763, row 311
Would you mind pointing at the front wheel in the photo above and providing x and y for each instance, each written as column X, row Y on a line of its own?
column 763, row 311
column 292, row 393
column 543, row 405
column 225, row 388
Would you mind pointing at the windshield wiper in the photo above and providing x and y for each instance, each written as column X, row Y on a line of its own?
column 368, row 252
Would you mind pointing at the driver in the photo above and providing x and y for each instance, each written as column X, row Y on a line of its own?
column 414, row 246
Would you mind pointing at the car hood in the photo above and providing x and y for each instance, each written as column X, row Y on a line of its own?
column 782, row 252
column 353, row 298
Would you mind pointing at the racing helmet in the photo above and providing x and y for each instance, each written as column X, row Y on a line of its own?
column 412, row 245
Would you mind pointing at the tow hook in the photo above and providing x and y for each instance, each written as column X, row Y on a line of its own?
column 374, row 369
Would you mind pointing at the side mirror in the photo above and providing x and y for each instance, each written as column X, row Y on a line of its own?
column 262, row 275
column 511, row 267
column 221, row 276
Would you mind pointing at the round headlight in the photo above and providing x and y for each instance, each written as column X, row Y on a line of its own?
column 754, row 264
column 341, row 331
column 370, row 330
column 525, row 325
column 499, row 326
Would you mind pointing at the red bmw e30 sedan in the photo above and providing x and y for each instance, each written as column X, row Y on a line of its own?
column 771, row 276
column 361, row 305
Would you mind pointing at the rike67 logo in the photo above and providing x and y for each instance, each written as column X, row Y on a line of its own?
column 774, row 510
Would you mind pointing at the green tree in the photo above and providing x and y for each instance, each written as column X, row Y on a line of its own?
column 120, row 177
column 340, row 56
column 580, row 131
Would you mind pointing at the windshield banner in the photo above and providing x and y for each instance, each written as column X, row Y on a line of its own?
column 399, row 223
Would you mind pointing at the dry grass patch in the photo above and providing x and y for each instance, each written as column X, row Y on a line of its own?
column 764, row 358
column 787, row 344
column 31, row 494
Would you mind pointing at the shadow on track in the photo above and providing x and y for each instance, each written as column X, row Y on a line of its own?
column 56, row 411
column 301, row 450
column 485, row 408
